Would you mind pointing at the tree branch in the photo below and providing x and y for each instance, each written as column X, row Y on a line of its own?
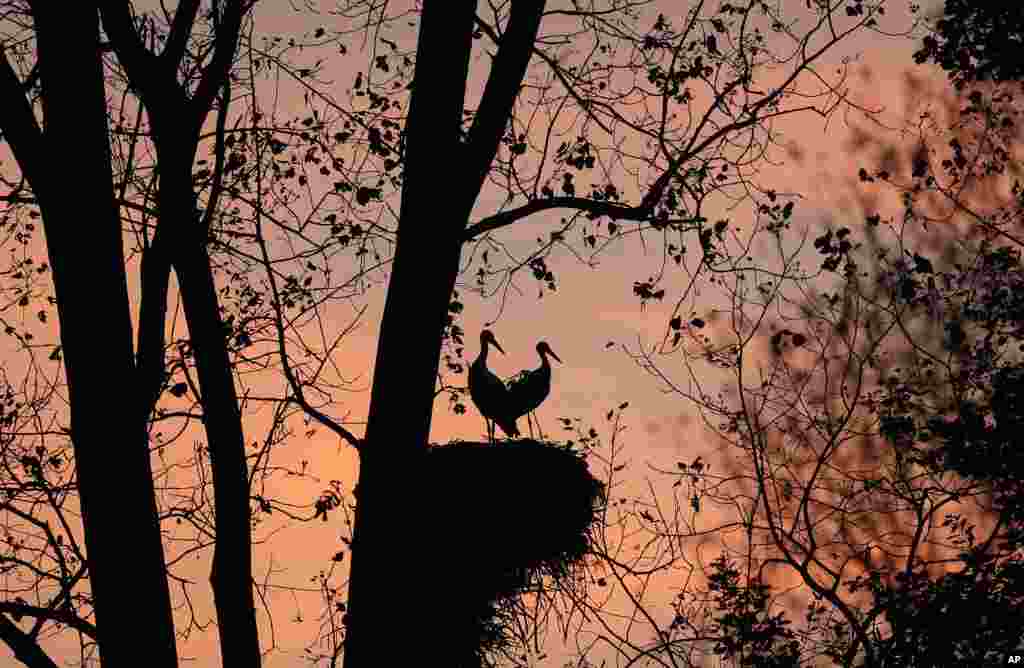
column 217, row 187
column 24, row 646
column 502, row 87
column 596, row 207
column 228, row 28
column 177, row 39
column 149, row 360
column 66, row 617
column 142, row 66
column 18, row 124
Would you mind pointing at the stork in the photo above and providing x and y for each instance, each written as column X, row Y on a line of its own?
column 489, row 393
column 531, row 387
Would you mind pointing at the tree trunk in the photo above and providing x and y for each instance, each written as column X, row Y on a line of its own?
column 386, row 591
column 231, row 574
column 127, row 571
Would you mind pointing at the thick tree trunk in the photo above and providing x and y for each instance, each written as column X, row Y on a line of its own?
column 386, row 592
column 177, row 118
column 127, row 572
column 231, row 575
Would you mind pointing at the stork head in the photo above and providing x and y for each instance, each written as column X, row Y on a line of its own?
column 487, row 336
column 544, row 349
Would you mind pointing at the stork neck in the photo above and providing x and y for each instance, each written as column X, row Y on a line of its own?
column 544, row 359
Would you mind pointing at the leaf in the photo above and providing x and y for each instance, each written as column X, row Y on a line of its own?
column 923, row 265
column 364, row 195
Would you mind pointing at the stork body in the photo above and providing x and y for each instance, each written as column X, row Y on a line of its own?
column 529, row 390
column 489, row 393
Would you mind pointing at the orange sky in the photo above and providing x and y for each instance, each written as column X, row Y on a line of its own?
column 591, row 308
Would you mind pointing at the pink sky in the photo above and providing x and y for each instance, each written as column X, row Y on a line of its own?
column 591, row 308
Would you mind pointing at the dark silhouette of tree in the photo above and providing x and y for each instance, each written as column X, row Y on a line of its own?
column 975, row 613
column 975, row 41
column 876, row 422
column 544, row 134
column 83, row 233
column 665, row 115
column 90, row 288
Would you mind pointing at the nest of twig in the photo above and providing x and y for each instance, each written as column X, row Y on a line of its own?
column 507, row 514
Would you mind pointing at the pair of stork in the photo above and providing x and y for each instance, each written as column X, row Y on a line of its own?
column 503, row 404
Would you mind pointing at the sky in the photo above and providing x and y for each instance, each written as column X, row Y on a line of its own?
column 592, row 308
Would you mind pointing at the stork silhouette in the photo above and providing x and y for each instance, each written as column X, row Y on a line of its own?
column 531, row 387
column 489, row 393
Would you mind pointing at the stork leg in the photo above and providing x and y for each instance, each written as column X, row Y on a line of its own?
column 540, row 432
column 529, row 424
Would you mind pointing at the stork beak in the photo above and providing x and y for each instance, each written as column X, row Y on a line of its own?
column 552, row 353
column 497, row 345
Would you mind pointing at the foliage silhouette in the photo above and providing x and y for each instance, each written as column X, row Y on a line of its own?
column 669, row 114
column 976, row 42
column 877, row 427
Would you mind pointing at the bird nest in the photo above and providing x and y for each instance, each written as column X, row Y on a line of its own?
column 507, row 515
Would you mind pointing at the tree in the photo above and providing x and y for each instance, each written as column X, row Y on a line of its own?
column 964, row 423
column 682, row 167
column 696, row 81
column 975, row 42
column 71, row 75
column 874, row 420
column 92, row 287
